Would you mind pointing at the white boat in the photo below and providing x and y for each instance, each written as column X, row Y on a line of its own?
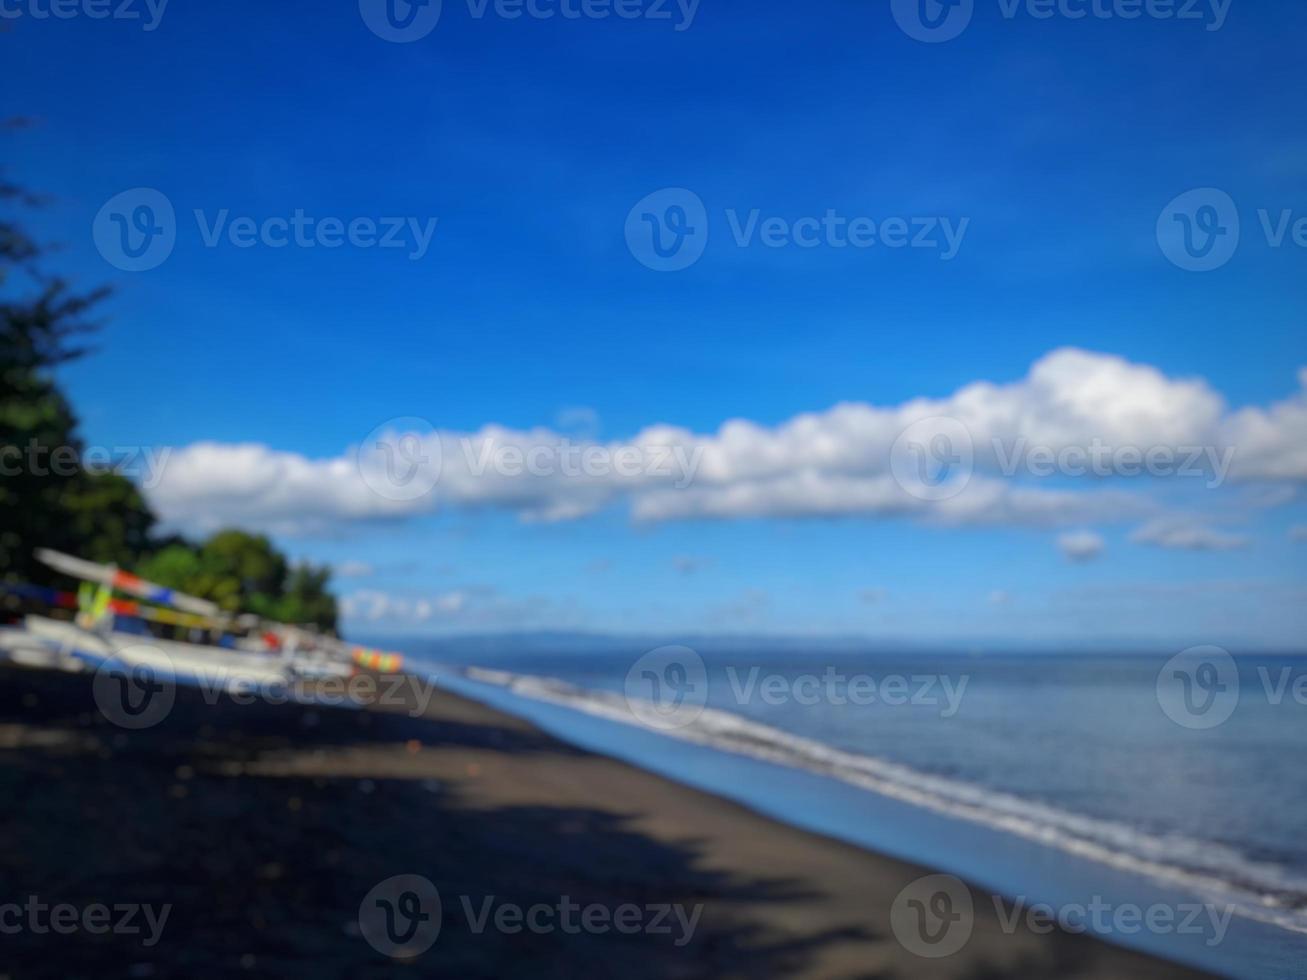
column 27, row 649
column 217, row 666
column 297, row 654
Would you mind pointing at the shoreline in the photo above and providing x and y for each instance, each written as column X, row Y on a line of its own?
column 316, row 806
column 1209, row 931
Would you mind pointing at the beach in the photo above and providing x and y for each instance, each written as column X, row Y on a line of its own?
column 262, row 827
column 552, row 494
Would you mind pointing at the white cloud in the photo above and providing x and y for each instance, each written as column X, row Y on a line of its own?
column 1081, row 546
column 207, row 485
column 809, row 494
column 1188, row 536
column 1271, row 442
column 470, row 608
column 834, row 463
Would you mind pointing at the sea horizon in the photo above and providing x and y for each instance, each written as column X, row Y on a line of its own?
column 600, row 640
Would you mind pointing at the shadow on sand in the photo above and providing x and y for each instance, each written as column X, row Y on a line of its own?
column 265, row 874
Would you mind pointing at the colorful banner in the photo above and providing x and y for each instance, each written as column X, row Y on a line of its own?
column 386, row 663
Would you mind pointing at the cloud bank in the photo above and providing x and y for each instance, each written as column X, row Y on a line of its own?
column 836, row 463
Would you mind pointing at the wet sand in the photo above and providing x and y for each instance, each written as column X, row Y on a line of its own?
column 265, row 826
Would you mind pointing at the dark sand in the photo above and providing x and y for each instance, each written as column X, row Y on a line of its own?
column 265, row 826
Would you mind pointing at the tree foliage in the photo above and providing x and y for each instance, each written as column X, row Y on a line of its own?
column 43, row 503
column 49, row 499
column 244, row 573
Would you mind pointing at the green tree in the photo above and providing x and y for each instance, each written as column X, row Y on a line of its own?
column 46, row 498
column 109, row 520
column 245, row 573
column 250, row 559
column 306, row 599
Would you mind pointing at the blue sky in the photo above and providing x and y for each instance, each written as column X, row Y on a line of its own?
column 1059, row 140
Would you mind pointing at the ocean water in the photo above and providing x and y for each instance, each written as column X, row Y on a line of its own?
column 1050, row 778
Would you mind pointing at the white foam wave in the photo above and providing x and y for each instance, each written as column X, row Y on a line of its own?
column 1255, row 889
